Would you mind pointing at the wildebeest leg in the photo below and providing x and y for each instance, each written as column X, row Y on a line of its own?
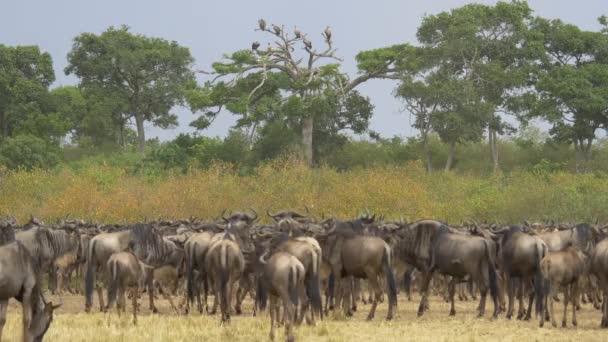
column 244, row 287
column 134, row 295
column 483, row 291
column 167, row 296
column 510, row 294
column 604, row 323
column 150, row 288
column 100, row 296
column 546, row 306
column 3, row 311
column 288, row 315
column 310, row 319
column 26, row 304
column 346, row 295
column 566, row 299
column 372, row 283
column 530, row 302
column 451, row 293
column 424, row 291
column 574, row 289
column 273, row 315
column 551, row 296
column 520, row 298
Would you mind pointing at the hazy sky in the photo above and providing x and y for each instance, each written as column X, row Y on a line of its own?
column 211, row 28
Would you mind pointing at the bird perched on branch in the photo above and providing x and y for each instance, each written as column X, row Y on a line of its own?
column 276, row 28
column 297, row 33
column 262, row 24
column 327, row 34
column 307, row 43
column 255, row 46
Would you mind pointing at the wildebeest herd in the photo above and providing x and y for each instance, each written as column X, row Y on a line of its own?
column 289, row 265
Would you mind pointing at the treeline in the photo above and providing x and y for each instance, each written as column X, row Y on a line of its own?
column 469, row 69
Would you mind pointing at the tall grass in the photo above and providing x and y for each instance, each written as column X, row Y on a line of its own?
column 112, row 194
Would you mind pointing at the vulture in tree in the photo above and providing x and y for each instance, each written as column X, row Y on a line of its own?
column 262, row 24
column 307, row 43
column 297, row 33
column 255, row 46
column 327, row 34
column 276, row 28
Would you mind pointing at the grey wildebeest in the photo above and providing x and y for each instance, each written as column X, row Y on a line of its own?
column 562, row 269
column 45, row 245
column 225, row 264
column 282, row 279
column 141, row 239
column 598, row 266
column 308, row 251
column 462, row 256
column 363, row 257
column 126, row 273
column 196, row 274
column 519, row 257
column 19, row 280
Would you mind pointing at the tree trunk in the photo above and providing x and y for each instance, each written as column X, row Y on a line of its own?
column 307, row 128
column 450, row 160
column 427, row 152
column 587, row 154
column 577, row 155
column 4, row 124
column 493, row 148
column 141, row 134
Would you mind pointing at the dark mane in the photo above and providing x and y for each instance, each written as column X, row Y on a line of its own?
column 7, row 233
column 146, row 240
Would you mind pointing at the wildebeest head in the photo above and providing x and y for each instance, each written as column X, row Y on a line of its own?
column 239, row 219
column 41, row 319
column 7, row 232
column 281, row 215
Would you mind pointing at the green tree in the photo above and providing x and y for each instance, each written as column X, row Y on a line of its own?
column 25, row 76
column 289, row 81
column 28, row 151
column 571, row 85
column 484, row 47
column 149, row 75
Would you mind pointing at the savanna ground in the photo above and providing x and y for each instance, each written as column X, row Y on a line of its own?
column 72, row 324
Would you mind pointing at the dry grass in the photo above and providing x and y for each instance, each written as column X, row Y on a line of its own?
column 436, row 325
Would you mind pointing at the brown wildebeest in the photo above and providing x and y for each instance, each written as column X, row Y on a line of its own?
column 125, row 273
column 561, row 269
column 598, row 267
column 19, row 280
column 225, row 264
column 196, row 249
column 519, row 257
column 366, row 257
column 283, row 279
column 461, row 256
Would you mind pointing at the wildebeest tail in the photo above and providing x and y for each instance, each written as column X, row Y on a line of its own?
column 190, row 273
column 224, row 275
column 90, row 276
column 538, row 280
column 292, row 284
column 113, row 288
column 492, row 278
column 313, row 285
column 390, row 277
column 261, row 294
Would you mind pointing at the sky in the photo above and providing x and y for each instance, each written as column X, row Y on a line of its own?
column 212, row 28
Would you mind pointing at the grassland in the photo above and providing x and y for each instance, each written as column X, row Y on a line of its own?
column 72, row 325
column 113, row 194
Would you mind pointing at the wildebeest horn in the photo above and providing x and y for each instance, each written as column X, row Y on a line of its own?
column 256, row 215
column 367, row 212
column 307, row 210
column 526, row 223
column 262, row 258
column 222, row 215
column 271, row 214
column 498, row 230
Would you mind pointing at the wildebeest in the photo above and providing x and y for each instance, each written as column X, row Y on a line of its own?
column 366, row 257
column 125, row 273
column 142, row 239
column 196, row 274
column 519, row 258
column 561, row 269
column 19, row 280
column 598, row 266
column 283, row 279
column 462, row 256
column 225, row 264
